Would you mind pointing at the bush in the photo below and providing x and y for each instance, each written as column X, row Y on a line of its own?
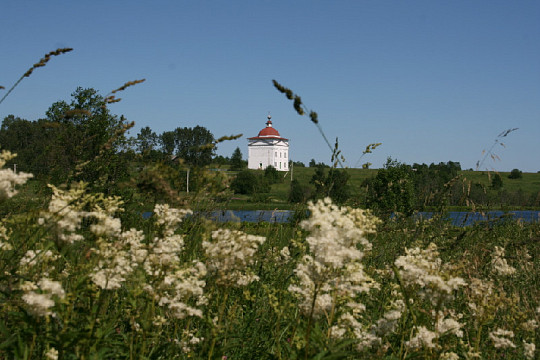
column 246, row 182
column 496, row 182
column 515, row 174
column 298, row 193
column 272, row 175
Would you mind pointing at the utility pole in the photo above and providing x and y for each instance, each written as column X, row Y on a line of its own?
column 292, row 168
column 187, row 181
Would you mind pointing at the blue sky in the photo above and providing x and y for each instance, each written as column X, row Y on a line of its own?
column 431, row 80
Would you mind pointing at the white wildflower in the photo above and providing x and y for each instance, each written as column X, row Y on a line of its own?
column 230, row 254
column 499, row 264
column 528, row 350
column 502, row 338
column 530, row 325
column 4, row 236
column 53, row 287
column 390, row 318
column 169, row 218
column 41, row 303
column 424, row 268
column 423, row 338
column 449, row 356
column 8, row 178
column 51, row 354
column 65, row 212
column 285, row 254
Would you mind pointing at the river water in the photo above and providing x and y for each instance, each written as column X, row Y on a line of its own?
column 457, row 218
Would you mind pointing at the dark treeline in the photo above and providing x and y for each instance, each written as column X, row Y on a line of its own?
column 81, row 140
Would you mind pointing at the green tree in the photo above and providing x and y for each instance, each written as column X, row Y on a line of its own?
column 392, row 189
column 236, row 160
column 515, row 174
column 88, row 138
column 167, row 142
column 147, row 140
column 195, row 145
column 334, row 184
column 272, row 175
column 29, row 140
column 248, row 183
column 496, row 182
column 298, row 193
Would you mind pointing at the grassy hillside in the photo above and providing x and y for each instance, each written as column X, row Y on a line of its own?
column 528, row 186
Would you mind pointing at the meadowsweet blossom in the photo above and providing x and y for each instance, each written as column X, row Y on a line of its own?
column 333, row 266
column 8, row 178
column 39, row 298
column 448, row 324
column 51, row 354
column 449, row 356
column 285, row 254
column 66, row 211
column 388, row 322
column 502, row 338
column 423, row 338
column 499, row 264
column 4, row 237
column 169, row 218
column 37, row 261
column 529, row 349
column 348, row 324
column 530, row 325
column 423, row 268
column 182, row 291
column 230, row 254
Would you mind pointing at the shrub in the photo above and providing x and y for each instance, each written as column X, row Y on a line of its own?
column 246, row 182
column 496, row 182
column 515, row 174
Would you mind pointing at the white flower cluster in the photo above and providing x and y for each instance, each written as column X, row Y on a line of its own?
column 502, row 338
column 65, row 212
column 180, row 289
column 37, row 261
column 444, row 325
column 39, row 298
column 333, row 269
column 8, row 178
column 499, row 264
column 164, row 250
column 51, row 354
column 119, row 253
column 424, row 268
column 176, row 286
column 529, row 350
column 4, row 237
column 481, row 294
column 230, row 255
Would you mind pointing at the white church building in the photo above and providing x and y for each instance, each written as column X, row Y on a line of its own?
column 268, row 148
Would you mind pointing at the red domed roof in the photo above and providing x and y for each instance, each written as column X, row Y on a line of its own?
column 269, row 130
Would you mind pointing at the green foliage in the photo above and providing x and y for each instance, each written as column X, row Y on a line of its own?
column 272, row 175
column 392, row 189
column 248, row 182
column 298, row 193
column 496, row 182
column 77, row 140
column 334, row 184
column 194, row 145
column 236, row 160
column 515, row 174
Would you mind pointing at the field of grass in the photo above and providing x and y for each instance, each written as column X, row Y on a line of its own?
column 528, row 185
